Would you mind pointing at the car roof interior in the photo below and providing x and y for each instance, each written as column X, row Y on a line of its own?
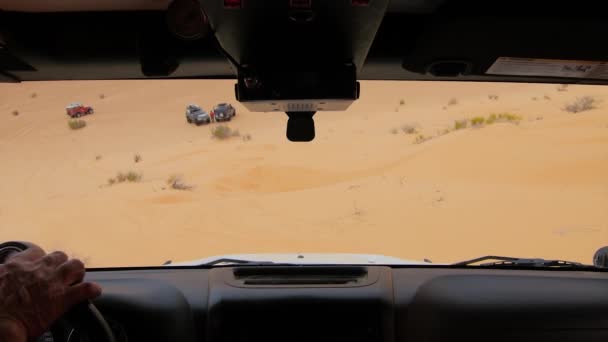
column 340, row 41
column 416, row 39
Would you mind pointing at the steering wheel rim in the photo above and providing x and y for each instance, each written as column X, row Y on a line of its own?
column 83, row 317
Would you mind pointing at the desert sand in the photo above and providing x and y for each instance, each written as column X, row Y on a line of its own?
column 534, row 189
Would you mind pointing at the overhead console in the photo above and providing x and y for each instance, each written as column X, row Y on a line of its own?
column 292, row 50
column 296, row 56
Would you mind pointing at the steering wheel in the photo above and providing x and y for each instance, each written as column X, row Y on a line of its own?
column 84, row 317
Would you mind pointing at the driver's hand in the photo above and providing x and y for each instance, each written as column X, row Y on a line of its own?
column 36, row 289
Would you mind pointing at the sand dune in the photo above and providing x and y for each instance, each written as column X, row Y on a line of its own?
column 538, row 188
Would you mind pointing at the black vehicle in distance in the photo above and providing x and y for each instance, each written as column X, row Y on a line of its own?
column 223, row 112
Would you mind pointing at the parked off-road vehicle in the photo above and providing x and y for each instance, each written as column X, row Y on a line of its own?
column 223, row 112
column 76, row 110
column 196, row 115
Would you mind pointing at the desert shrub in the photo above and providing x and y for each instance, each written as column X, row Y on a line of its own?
column 546, row 97
column 477, row 121
column 581, row 104
column 394, row 131
column 460, row 124
column 76, row 124
column 409, row 129
column 452, row 102
column 509, row 117
column 176, row 183
column 221, row 132
column 247, row 137
column 102, row 96
column 133, row 176
column 137, row 158
column 33, row 95
column 444, row 132
column 15, row 113
column 122, row 177
column 503, row 117
column 401, row 102
column 562, row 87
column 421, row 138
column 173, row 178
column 493, row 97
column 491, row 119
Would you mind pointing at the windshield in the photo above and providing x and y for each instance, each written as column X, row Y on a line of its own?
column 412, row 170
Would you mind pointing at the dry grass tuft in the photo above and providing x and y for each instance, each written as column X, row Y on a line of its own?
column 409, row 129
column 422, row 138
column 581, row 104
column 460, row 124
column 176, row 182
column 122, row 177
column 478, row 121
column 223, row 132
column 76, row 124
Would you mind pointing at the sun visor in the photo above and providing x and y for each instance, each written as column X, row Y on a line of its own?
column 455, row 45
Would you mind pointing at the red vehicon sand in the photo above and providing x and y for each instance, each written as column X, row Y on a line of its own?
column 76, row 110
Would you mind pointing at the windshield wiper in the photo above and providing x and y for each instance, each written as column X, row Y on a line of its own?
column 229, row 261
column 502, row 261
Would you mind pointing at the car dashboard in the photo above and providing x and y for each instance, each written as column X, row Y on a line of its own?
column 353, row 303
